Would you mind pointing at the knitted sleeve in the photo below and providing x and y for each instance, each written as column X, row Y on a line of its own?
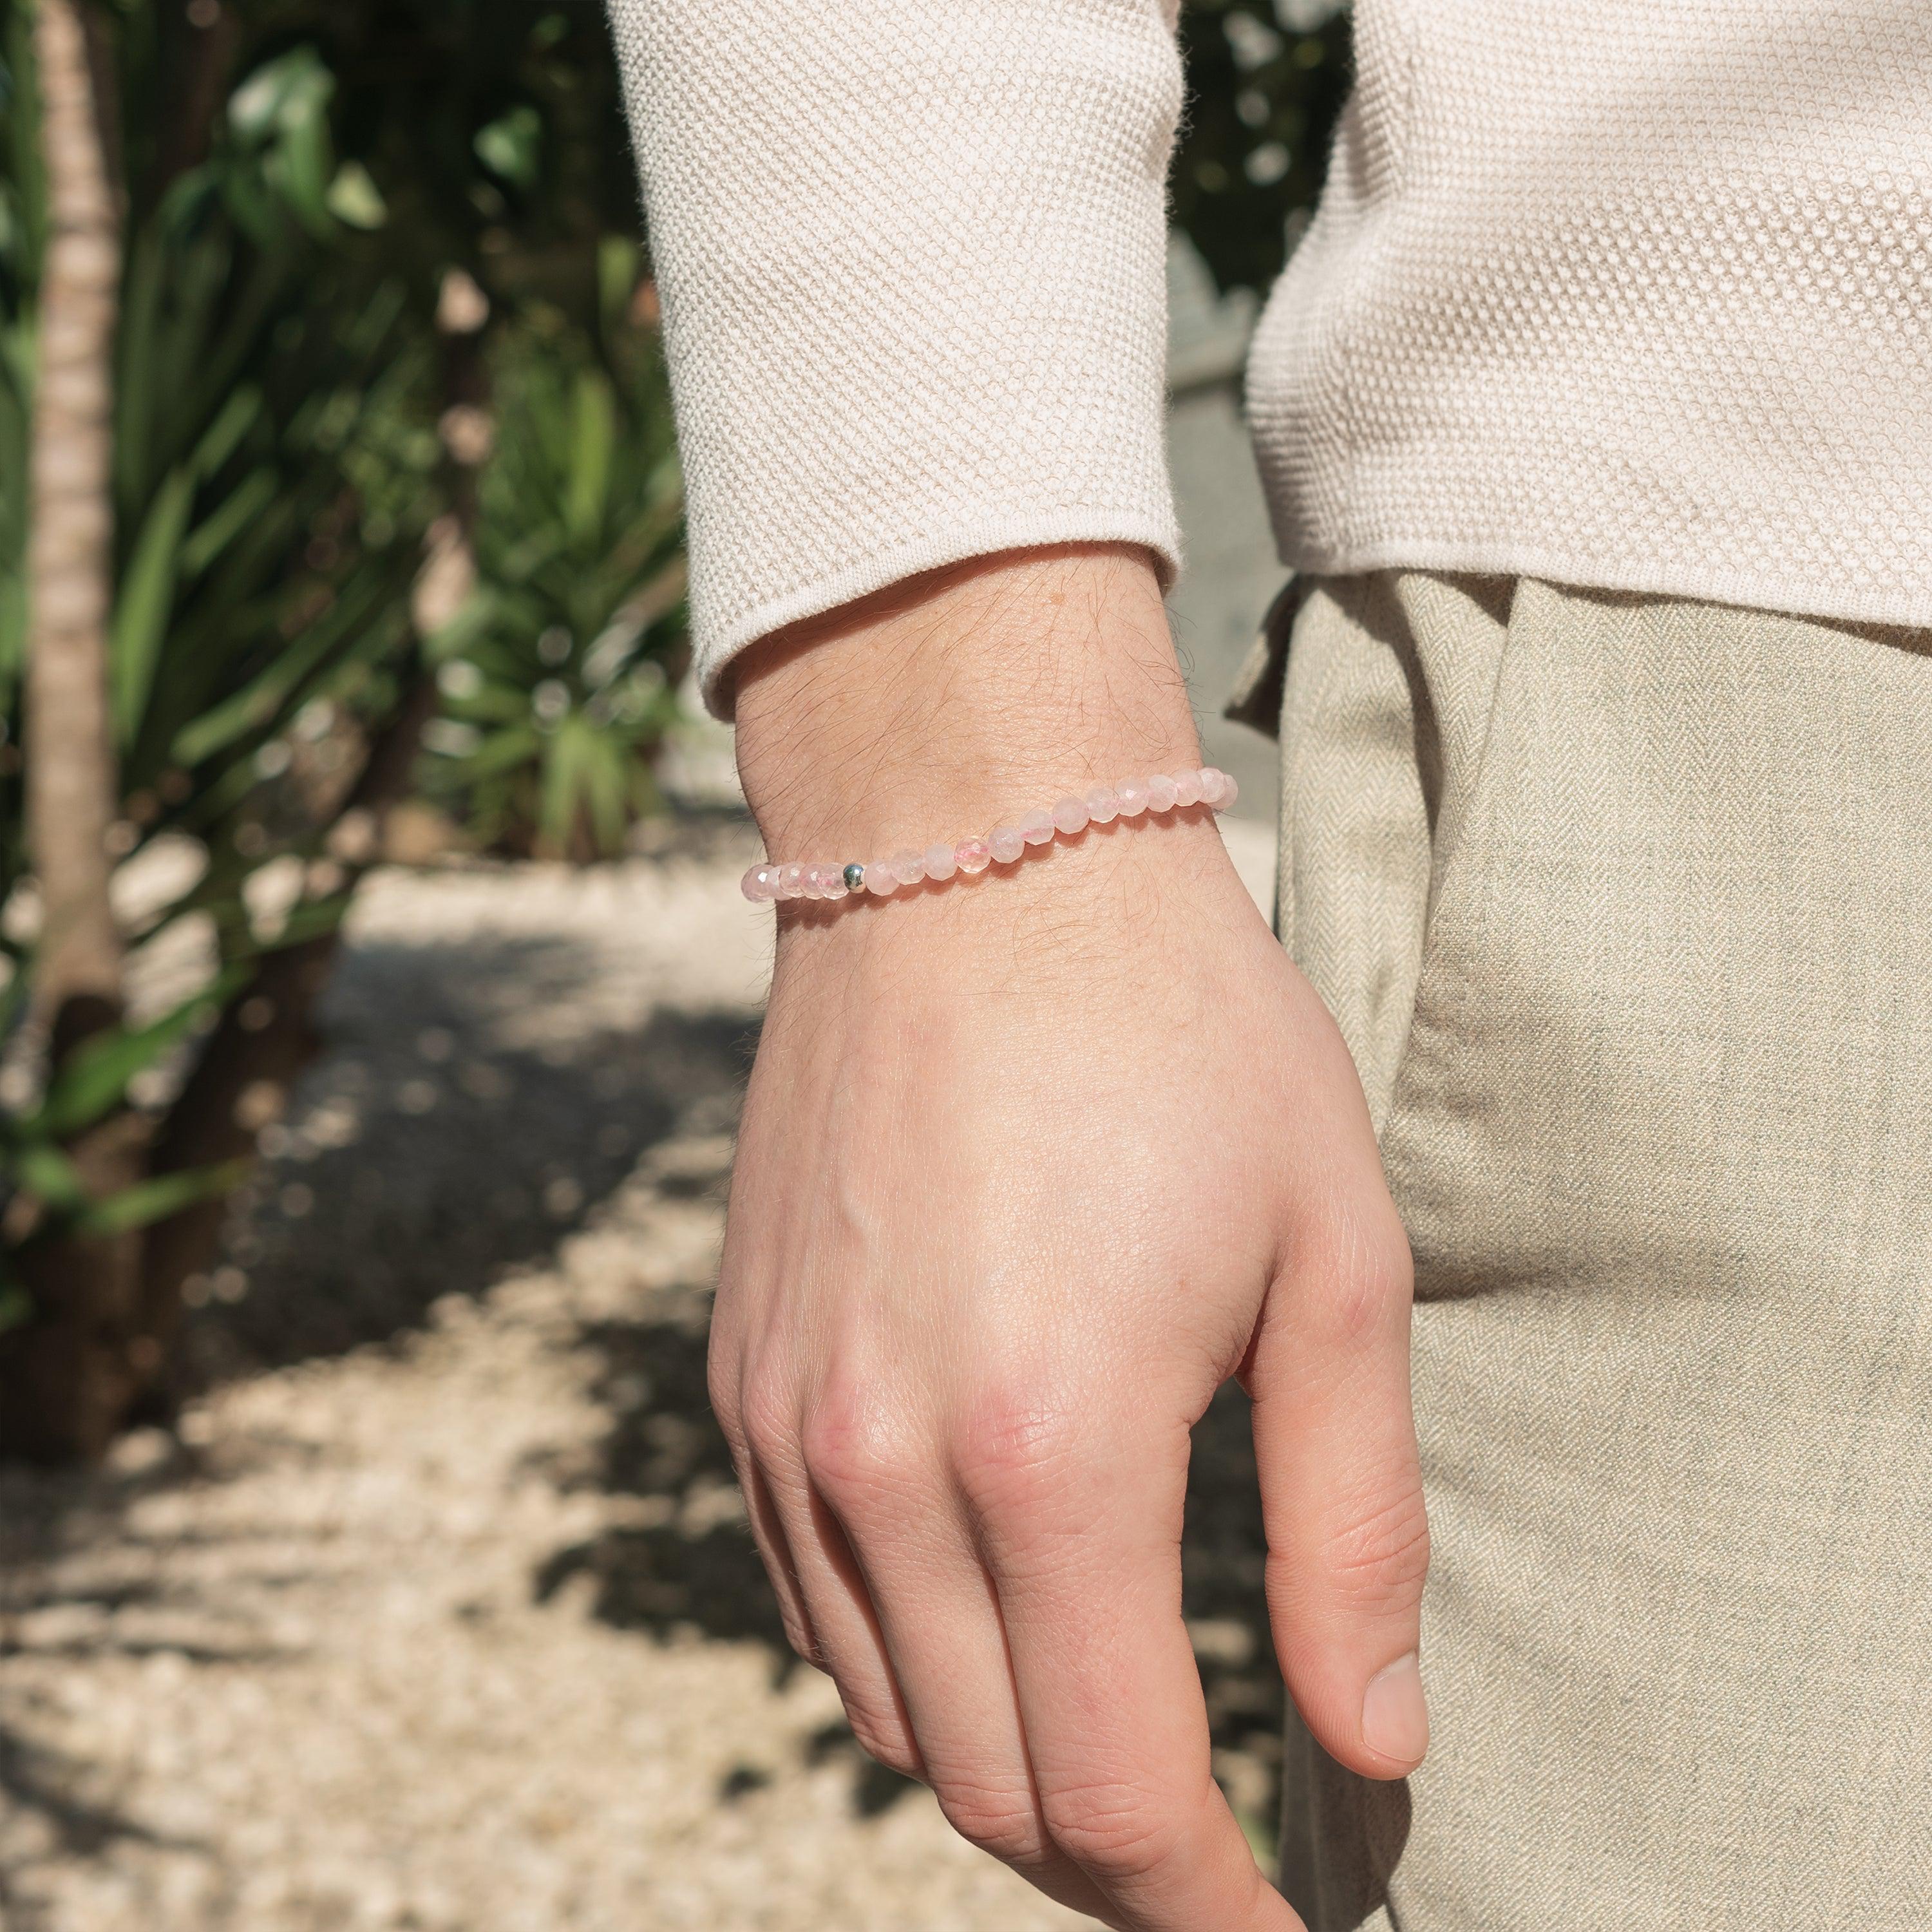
column 911, row 258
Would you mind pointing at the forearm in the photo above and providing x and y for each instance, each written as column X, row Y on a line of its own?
column 959, row 698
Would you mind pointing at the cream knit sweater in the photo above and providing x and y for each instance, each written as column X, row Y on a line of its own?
column 1635, row 294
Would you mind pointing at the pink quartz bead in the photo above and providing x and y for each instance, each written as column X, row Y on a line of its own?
column 1211, row 782
column 939, row 861
column 1103, row 805
column 1161, row 794
column 1037, row 827
column 881, row 878
column 1133, row 793
column 791, row 881
column 973, row 855
column 1230, row 791
column 760, row 883
column 1186, row 788
column 908, row 867
column 1070, row 816
column 1006, row 844
column 832, row 882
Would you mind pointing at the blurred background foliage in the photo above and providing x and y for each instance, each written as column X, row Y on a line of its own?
column 555, row 680
column 397, row 561
column 396, row 515
column 1266, row 82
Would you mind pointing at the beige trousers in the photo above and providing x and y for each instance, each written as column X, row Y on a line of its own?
column 1624, row 905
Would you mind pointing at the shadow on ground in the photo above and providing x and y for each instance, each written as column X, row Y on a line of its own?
column 47, row 1798
column 34, row 1783
column 444, row 1141
column 446, row 1138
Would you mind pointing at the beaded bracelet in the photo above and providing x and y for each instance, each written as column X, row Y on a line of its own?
column 804, row 879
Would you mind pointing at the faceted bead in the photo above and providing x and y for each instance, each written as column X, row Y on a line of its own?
column 910, row 867
column 1069, row 816
column 1133, row 796
column 939, row 861
column 1005, row 843
column 1037, row 827
column 1230, row 791
column 881, row 878
column 1186, row 788
column 761, row 883
column 791, row 881
column 832, row 882
column 1211, row 781
column 1103, row 804
column 973, row 855
column 1160, row 793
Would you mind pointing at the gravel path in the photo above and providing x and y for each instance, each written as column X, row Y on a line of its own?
column 436, row 1610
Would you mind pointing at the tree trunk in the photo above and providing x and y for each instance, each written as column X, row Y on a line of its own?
column 71, row 789
column 67, row 1375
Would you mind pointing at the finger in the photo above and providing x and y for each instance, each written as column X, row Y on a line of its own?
column 833, row 1592
column 767, row 1532
column 1342, row 1498
column 846, row 1641
column 939, row 1619
column 1083, row 1547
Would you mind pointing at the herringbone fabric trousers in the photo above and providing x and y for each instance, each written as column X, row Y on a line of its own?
column 1624, row 905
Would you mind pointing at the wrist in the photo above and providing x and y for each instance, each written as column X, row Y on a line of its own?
column 966, row 695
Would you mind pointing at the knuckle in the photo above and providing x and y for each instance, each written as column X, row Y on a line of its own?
column 767, row 1420
column 1116, row 1830
column 883, row 1739
column 1016, row 1458
column 1380, row 1557
column 1001, row 1821
column 853, row 1457
column 1368, row 1283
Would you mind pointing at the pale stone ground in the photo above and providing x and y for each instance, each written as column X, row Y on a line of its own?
column 436, row 1611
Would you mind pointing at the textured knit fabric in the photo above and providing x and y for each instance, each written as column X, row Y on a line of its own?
column 1636, row 296
column 1625, row 906
column 912, row 259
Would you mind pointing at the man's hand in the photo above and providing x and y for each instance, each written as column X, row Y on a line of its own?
column 1029, row 1166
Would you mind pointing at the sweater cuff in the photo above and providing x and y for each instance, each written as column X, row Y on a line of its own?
column 912, row 259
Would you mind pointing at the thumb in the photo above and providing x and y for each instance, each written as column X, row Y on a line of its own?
column 1342, row 1491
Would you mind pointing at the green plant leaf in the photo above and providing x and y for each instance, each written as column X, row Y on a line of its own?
column 511, row 146
column 146, row 597
column 354, row 198
column 13, row 627
column 219, row 440
column 617, row 262
column 563, row 779
column 158, row 1197
column 93, row 1080
column 40, row 1169
column 593, row 439
column 217, row 530
column 256, row 105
